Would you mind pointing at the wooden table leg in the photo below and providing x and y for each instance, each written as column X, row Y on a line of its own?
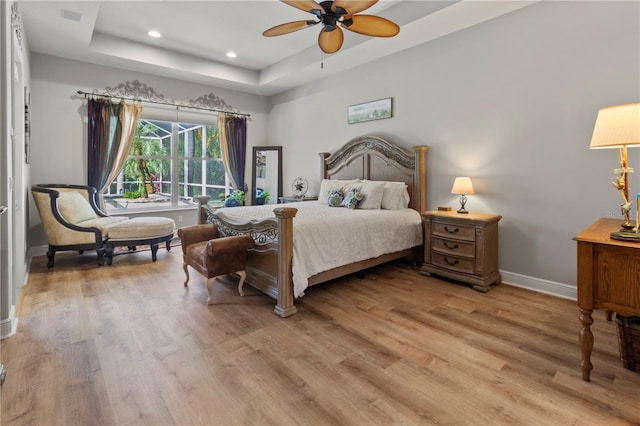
column 586, row 343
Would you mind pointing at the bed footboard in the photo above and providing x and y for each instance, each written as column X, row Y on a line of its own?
column 269, row 262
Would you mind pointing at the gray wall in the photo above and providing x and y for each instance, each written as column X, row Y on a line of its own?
column 59, row 117
column 511, row 103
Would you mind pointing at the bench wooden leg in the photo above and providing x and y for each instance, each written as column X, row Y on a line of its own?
column 100, row 253
column 50, row 257
column 210, row 290
column 186, row 272
column 243, row 276
column 108, row 251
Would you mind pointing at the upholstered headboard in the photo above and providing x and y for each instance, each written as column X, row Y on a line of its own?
column 373, row 158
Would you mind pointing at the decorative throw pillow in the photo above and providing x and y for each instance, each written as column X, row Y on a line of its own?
column 353, row 199
column 336, row 197
column 326, row 185
column 74, row 207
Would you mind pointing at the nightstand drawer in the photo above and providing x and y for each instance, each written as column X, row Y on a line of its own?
column 456, row 231
column 453, row 263
column 454, row 247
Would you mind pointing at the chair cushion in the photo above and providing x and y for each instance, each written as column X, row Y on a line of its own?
column 74, row 207
column 141, row 228
column 103, row 223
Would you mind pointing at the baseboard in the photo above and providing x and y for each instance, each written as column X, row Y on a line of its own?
column 553, row 288
column 38, row 251
column 9, row 326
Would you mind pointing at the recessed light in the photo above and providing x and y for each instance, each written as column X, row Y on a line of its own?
column 231, row 54
column 154, row 34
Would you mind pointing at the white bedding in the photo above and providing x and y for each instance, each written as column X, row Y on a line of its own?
column 327, row 237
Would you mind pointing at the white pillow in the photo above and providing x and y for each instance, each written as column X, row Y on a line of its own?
column 373, row 192
column 395, row 196
column 326, row 185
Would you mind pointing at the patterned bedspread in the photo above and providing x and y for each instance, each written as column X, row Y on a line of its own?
column 327, row 237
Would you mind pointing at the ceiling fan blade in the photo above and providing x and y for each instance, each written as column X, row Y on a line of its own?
column 330, row 41
column 371, row 25
column 353, row 6
column 289, row 27
column 306, row 5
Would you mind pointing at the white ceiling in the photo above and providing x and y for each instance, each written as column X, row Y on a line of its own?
column 197, row 34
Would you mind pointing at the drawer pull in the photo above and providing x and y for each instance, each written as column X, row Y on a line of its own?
column 446, row 228
column 454, row 263
column 450, row 247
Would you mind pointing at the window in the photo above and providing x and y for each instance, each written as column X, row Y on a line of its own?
column 169, row 164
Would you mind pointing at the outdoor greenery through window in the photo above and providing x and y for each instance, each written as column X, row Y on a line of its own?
column 168, row 165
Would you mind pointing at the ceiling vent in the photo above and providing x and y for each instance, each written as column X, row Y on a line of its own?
column 70, row 15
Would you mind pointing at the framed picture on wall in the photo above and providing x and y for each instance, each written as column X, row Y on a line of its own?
column 374, row 110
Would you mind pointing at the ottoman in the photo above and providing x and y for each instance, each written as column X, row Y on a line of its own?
column 139, row 231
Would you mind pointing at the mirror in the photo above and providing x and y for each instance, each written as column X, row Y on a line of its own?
column 266, row 182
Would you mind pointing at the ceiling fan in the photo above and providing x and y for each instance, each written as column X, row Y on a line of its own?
column 333, row 15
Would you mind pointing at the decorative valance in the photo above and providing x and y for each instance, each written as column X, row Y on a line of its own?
column 137, row 91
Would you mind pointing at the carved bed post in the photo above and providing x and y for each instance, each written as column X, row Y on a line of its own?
column 323, row 164
column 420, row 178
column 202, row 201
column 285, row 306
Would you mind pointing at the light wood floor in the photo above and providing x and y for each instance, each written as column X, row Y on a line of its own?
column 127, row 345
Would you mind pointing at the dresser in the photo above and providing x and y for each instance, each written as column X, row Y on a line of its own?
column 462, row 247
column 608, row 278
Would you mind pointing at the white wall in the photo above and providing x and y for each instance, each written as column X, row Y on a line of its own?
column 511, row 103
column 59, row 117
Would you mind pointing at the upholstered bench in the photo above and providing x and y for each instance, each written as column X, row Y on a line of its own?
column 139, row 231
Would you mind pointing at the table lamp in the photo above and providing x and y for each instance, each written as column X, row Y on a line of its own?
column 462, row 186
column 618, row 127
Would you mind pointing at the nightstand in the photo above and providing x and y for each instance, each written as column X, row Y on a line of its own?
column 292, row 199
column 463, row 247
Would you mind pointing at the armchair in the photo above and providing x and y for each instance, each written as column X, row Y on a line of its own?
column 72, row 219
column 212, row 255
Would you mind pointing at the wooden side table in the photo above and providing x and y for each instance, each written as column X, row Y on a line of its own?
column 292, row 199
column 462, row 247
column 608, row 278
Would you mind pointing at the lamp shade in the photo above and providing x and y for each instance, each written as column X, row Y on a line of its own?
column 462, row 186
column 617, row 126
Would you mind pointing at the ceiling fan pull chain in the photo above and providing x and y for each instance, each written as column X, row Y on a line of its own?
column 321, row 59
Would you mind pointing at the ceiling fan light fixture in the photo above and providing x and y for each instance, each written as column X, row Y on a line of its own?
column 338, row 10
column 333, row 15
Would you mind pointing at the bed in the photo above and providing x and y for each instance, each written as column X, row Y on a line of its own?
column 295, row 241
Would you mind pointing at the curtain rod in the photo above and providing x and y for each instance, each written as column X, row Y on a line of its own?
column 163, row 102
